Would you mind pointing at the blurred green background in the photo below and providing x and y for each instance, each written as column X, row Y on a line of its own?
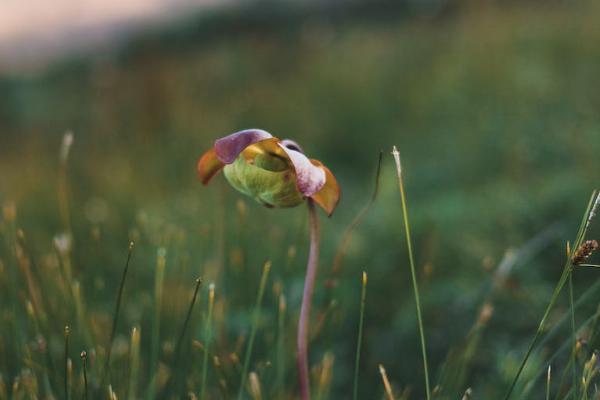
column 493, row 106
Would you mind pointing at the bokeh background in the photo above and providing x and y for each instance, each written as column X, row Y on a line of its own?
column 493, row 106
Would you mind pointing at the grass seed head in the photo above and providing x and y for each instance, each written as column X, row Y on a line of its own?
column 584, row 251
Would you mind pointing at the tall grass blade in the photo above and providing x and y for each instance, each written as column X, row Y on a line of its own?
column 159, row 278
column 174, row 380
column 548, row 377
column 573, row 335
column 256, row 317
column 207, row 338
column 386, row 383
column 83, row 356
column 396, row 155
column 106, row 373
column 360, row 333
column 281, row 346
column 567, row 269
column 347, row 235
column 67, row 392
column 134, row 363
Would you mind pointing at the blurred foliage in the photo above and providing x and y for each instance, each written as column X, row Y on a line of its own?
column 494, row 110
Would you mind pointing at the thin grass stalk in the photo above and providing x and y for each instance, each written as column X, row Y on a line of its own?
column 325, row 376
column 386, row 383
column 207, row 338
column 174, row 380
column 67, row 333
column 256, row 316
column 548, row 377
column 309, row 285
column 159, row 277
column 573, row 335
column 106, row 373
column 281, row 346
column 48, row 366
column 563, row 347
column 360, row 333
column 63, row 182
column 347, row 235
column 396, row 155
column 9, row 212
column 567, row 269
column 134, row 363
column 83, row 356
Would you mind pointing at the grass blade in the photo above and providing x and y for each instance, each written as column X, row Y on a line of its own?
column 261, row 292
column 360, row 333
column 159, row 278
column 83, row 356
column 207, row 338
column 386, row 383
column 281, row 345
column 67, row 333
column 113, row 332
column 347, row 235
column 567, row 269
column 548, row 377
column 396, row 155
column 134, row 363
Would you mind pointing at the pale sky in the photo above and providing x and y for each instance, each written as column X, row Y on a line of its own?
column 30, row 28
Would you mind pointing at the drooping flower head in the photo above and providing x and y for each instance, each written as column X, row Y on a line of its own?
column 274, row 172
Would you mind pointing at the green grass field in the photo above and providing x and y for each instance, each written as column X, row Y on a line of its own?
column 495, row 112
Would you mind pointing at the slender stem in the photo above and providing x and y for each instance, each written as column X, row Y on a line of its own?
column 542, row 324
column 85, row 378
column 134, row 363
column 412, row 270
column 568, row 268
column 116, row 315
column 174, row 380
column 548, row 377
column 159, row 278
column 389, row 394
column 360, row 333
column 347, row 235
column 281, row 345
column 573, row 334
column 207, row 338
column 66, row 365
column 309, row 285
column 256, row 317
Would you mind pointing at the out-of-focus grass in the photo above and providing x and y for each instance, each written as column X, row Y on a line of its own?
column 493, row 108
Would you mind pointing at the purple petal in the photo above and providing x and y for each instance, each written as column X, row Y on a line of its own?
column 309, row 178
column 230, row 147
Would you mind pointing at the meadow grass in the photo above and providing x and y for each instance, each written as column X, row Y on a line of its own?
column 493, row 110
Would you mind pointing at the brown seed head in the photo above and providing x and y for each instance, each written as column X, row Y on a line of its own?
column 584, row 251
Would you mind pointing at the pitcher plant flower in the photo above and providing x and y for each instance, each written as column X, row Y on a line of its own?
column 276, row 173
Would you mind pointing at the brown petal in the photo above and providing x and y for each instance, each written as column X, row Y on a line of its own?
column 309, row 178
column 230, row 147
column 329, row 196
column 208, row 165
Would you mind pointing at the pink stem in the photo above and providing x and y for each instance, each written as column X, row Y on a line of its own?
column 309, row 285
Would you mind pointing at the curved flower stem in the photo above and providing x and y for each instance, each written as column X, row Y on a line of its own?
column 309, row 285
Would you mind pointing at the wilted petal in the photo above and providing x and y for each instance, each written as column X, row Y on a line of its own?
column 229, row 148
column 329, row 195
column 208, row 165
column 309, row 178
